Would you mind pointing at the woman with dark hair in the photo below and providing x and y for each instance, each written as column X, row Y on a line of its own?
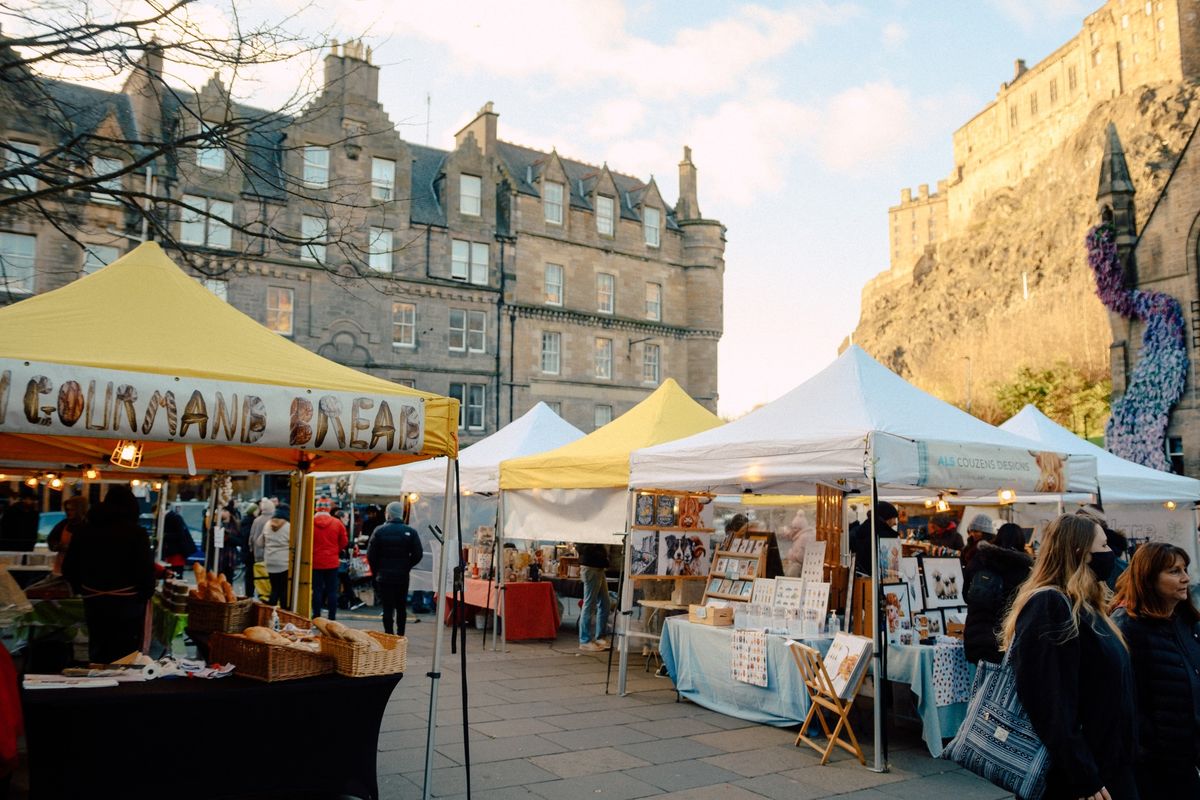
column 1072, row 667
column 1162, row 628
column 111, row 565
column 990, row 582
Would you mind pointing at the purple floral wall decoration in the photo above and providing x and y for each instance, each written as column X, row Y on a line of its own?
column 1137, row 429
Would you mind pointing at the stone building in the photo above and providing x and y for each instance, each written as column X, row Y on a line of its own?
column 491, row 272
column 1123, row 45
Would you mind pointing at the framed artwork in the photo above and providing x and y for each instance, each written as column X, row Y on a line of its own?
column 816, row 603
column 928, row 624
column 764, row 591
column 943, row 583
column 889, row 559
column 644, row 510
column 684, row 554
column 813, row 568
column 789, row 592
column 846, row 661
column 898, row 608
column 643, row 557
column 664, row 511
column 910, row 573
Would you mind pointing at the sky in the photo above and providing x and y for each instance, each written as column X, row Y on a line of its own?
column 805, row 120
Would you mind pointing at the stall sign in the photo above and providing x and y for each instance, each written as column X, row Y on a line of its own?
column 952, row 465
column 66, row 400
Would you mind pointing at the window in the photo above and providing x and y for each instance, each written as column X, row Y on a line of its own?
column 316, row 167
column 1053, row 91
column 383, row 178
column 1012, row 116
column 654, row 301
column 409, row 382
column 471, row 404
column 555, row 406
column 551, row 348
column 601, row 416
column 476, row 332
column 313, row 229
column 650, row 363
column 603, row 359
column 1072, row 81
column 652, row 226
column 17, row 155
column 218, row 287
column 96, row 256
column 404, row 325
column 106, row 166
column 470, row 192
column 552, row 202
column 280, row 307
column 1033, row 105
column 554, row 285
column 1097, row 57
column 604, row 215
column 1175, row 454
column 469, row 261
column 204, row 221
column 458, row 330
column 1124, row 21
column 476, row 399
column 606, row 293
column 209, row 154
column 380, row 249
column 16, row 262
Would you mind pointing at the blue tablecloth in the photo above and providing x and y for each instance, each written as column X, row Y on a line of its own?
column 913, row 664
column 697, row 658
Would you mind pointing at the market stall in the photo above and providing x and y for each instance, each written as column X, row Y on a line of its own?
column 139, row 370
column 856, row 426
column 532, row 607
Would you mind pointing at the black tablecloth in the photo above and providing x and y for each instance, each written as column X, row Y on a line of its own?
column 183, row 739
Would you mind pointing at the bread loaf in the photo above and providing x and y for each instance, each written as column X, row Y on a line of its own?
column 359, row 637
column 322, row 624
column 337, row 630
column 258, row 633
column 227, row 589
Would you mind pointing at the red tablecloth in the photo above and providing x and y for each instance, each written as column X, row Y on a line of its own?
column 530, row 609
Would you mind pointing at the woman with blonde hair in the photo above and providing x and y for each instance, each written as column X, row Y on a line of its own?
column 1072, row 666
column 1162, row 628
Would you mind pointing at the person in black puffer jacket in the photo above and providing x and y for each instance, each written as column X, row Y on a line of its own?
column 996, row 572
column 393, row 551
column 1162, row 628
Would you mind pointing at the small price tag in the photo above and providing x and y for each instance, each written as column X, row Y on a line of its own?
column 219, row 536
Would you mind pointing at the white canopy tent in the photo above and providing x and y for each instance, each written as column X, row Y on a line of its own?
column 857, row 425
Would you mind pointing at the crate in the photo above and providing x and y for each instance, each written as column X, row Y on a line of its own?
column 209, row 616
column 262, row 616
column 266, row 662
column 357, row 660
column 710, row 615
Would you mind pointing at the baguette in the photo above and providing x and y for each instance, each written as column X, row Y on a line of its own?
column 337, row 630
column 322, row 625
column 227, row 589
column 257, row 633
column 359, row 637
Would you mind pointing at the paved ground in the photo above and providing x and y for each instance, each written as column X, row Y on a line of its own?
column 541, row 726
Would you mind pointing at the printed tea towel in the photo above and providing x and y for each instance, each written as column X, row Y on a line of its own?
column 748, row 657
column 951, row 676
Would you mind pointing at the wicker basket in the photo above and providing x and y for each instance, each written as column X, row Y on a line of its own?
column 262, row 616
column 266, row 662
column 360, row 661
column 208, row 616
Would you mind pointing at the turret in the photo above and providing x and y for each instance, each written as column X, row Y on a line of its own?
column 1115, row 200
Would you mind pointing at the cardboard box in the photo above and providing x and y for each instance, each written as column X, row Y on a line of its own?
column 710, row 615
column 955, row 629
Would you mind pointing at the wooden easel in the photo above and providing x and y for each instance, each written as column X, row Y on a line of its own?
column 822, row 695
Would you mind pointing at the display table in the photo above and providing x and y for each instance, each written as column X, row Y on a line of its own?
column 913, row 664
column 184, row 738
column 697, row 658
column 530, row 610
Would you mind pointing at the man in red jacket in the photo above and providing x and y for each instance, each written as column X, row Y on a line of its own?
column 329, row 540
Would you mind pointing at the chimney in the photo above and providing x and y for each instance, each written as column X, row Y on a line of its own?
column 483, row 128
column 905, row 196
column 1018, row 69
column 923, row 191
column 145, row 88
column 350, row 73
column 688, row 206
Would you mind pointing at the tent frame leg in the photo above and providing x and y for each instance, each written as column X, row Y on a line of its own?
column 435, row 674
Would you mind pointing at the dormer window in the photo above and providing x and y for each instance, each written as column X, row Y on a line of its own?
column 652, row 226
column 470, row 194
column 604, row 215
column 316, row 167
column 552, row 202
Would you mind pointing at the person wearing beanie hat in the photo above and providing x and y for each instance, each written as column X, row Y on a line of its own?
column 943, row 532
column 979, row 529
column 886, row 517
column 277, row 539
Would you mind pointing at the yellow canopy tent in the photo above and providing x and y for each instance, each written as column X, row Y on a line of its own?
column 579, row 491
column 141, row 351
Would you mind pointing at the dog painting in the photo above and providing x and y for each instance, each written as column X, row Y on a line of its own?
column 683, row 555
column 943, row 583
column 1050, row 472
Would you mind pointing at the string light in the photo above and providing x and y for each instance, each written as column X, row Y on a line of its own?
column 1169, row 505
column 31, row 482
column 56, row 483
column 91, row 473
column 1006, row 496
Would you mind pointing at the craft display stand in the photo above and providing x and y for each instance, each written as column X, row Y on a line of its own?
column 823, row 697
column 829, row 525
column 758, row 559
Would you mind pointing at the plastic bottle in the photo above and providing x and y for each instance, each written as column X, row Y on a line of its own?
column 833, row 624
column 275, row 619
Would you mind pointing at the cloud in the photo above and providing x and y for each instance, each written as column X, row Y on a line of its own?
column 1030, row 13
column 865, row 124
column 894, row 34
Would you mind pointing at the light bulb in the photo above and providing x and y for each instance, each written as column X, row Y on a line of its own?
column 135, row 482
column 157, row 485
column 1169, row 505
column 31, row 483
column 128, row 452
column 91, row 473
column 56, row 483
column 413, row 497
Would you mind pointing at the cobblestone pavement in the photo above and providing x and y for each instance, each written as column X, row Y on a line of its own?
column 541, row 726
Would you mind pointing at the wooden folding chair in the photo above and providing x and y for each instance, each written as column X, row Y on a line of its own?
column 823, row 697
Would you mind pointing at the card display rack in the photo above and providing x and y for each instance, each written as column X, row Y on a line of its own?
column 733, row 571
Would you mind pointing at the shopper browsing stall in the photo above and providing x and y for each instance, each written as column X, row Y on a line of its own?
column 593, row 617
column 394, row 550
column 989, row 584
column 276, row 539
column 887, row 517
column 329, row 540
column 979, row 530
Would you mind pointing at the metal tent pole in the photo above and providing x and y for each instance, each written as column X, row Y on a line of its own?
column 624, row 602
column 162, row 517
column 878, row 663
column 498, row 569
column 434, row 673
